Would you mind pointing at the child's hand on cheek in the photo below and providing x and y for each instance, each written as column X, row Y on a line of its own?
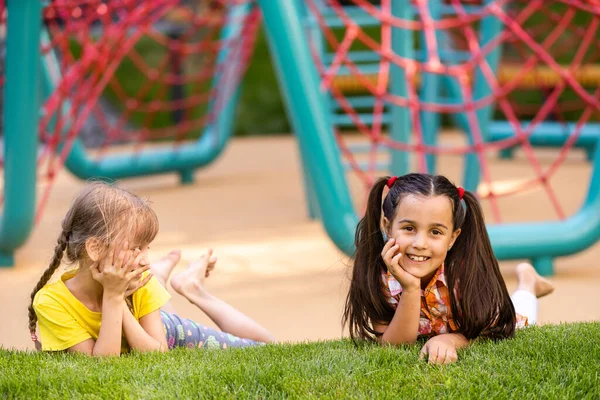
column 439, row 350
column 118, row 269
column 392, row 258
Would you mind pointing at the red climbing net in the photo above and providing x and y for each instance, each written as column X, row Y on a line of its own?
column 144, row 73
column 549, row 71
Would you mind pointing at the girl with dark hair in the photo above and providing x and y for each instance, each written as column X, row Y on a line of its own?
column 111, row 303
column 426, row 269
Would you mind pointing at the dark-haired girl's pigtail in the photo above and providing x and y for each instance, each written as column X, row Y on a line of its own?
column 366, row 302
column 481, row 304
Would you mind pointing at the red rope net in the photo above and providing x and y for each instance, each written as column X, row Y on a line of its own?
column 136, row 72
column 547, row 73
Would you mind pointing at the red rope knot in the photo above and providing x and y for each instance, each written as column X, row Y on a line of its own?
column 435, row 66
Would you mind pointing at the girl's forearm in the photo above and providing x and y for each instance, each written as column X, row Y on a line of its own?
column 404, row 327
column 136, row 336
column 109, row 337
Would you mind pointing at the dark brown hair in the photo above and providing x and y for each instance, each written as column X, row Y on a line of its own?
column 99, row 211
column 472, row 273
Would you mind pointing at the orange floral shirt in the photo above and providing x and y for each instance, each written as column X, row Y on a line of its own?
column 436, row 313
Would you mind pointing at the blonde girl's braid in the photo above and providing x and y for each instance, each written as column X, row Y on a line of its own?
column 63, row 240
column 129, row 302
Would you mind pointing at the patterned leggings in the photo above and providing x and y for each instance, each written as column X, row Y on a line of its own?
column 183, row 332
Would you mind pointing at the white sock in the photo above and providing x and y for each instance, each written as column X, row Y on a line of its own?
column 526, row 304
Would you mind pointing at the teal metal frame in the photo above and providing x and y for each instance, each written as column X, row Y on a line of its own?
column 21, row 96
column 313, row 123
column 307, row 109
column 434, row 87
column 549, row 134
column 29, row 76
column 186, row 158
column 431, row 90
column 490, row 27
column 401, row 130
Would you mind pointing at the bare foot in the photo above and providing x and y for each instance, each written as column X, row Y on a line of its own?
column 162, row 268
column 191, row 280
column 531, row 281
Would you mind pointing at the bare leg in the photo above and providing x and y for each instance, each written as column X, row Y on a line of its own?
column 162, row 270
column 190, row 284
column 530, row 281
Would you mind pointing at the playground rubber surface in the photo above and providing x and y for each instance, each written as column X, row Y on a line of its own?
column 276, row 264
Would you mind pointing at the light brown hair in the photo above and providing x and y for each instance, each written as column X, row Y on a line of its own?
column 105, row 213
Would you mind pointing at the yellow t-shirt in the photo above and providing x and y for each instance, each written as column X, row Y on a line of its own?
column 64, row 321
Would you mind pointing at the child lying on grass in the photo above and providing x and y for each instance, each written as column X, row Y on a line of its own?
column 111, row 303
column 436, row 276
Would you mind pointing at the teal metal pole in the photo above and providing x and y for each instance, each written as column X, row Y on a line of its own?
column 400, row 126
column 310, row 117
column 549, row 134
column 21, row 108
column 186, row 158
column 453, row 88
column 490, row 27
column 431, row 91
column 317, row 39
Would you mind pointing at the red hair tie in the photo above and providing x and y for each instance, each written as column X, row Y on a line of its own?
column 391, row 181
column 34, row 337
column 461, row 192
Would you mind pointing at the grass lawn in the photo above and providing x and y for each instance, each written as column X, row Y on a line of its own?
column 554, row 361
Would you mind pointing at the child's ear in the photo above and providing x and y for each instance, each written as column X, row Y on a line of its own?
column 94, row 248
column 386, row 225
column 455, row 235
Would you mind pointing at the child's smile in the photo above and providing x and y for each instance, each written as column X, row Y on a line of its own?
column 418, row 259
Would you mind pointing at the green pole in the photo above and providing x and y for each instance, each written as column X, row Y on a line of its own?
column 431, row 91
column 490, row 28
column 400, row 127
column 21, row 113
column 310, row 117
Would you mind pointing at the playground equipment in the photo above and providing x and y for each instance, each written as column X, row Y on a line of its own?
column 410, row 69
column 170, row 69
column 540, row 79
column 410, row 61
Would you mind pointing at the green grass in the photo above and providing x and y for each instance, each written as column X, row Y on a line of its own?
column 558, row 361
